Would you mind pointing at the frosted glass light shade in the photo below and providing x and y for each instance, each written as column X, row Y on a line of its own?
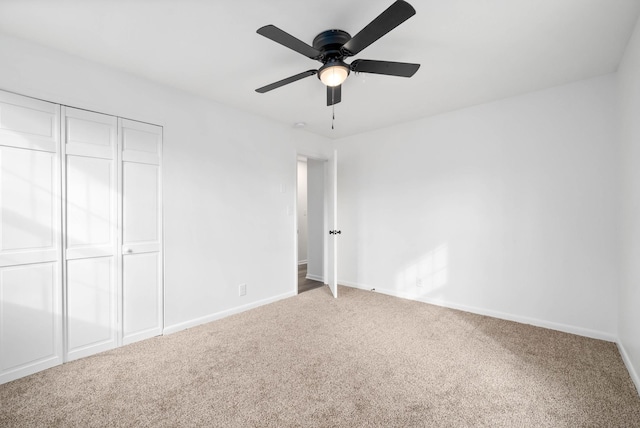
column 334, row 75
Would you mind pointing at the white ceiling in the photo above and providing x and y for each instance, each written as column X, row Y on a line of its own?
column 471, row 51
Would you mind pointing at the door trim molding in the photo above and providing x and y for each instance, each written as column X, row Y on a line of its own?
column 322, row 158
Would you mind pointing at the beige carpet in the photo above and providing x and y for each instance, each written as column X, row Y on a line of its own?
column 363, row 360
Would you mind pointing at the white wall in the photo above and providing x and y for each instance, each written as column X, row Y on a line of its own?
column 508, row 209
column 302, row 212
column 315, row 203
column 629, row 105
column 213, row 230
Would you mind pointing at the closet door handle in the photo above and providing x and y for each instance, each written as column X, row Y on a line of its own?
column 129, row 251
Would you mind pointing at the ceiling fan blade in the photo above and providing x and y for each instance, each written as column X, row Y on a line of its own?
column 285, row 39
column 286, row 81
column 402, row 69
column 395, row 15
column 334, row 95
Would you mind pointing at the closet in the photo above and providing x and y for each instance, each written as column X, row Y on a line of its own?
column 80, row 233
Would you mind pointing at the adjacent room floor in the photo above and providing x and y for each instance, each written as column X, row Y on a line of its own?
column 305, row 284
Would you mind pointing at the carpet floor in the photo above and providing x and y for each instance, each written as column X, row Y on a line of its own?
column 364, row 360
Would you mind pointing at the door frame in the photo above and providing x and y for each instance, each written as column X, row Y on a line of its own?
column 325, row 240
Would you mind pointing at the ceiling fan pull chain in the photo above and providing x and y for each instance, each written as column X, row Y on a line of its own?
column 333, row 106
column 333, row 119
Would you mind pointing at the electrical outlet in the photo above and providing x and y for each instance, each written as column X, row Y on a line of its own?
column 242, row 289
column 419, row 282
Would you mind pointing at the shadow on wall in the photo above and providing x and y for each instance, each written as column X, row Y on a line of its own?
column 425, row 276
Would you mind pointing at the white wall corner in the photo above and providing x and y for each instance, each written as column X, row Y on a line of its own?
column 627, row 362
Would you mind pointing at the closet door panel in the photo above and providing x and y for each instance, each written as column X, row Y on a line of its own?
column 29, row 316
column 141, row 142
column 141, row 294
column 28, row 123
column 90, row 213
column 91, row 305
column 91, row 247
column 28, row 204
column 141, row 204
column 90, row 134
column 30, row 249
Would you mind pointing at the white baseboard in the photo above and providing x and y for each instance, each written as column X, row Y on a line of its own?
column 315, row 277
column 29, row 369
column 302, row 262
column 355, row 285
column 223, row 314
column 594, row 334
column 627, row 362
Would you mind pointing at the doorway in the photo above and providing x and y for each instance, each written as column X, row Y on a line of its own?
column 310, row 223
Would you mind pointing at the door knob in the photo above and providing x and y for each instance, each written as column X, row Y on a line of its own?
column 129, row 251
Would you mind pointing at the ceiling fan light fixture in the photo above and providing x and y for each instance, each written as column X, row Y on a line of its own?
column 333, row 74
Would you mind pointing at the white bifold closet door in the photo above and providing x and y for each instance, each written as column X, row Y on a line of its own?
column 141, row 146
column 90, row 231
column 80, row 234
column 30, row 249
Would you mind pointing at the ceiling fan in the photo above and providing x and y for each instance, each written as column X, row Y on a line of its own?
column 332, row 47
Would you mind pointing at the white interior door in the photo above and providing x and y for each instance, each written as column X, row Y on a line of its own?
column 141, row 230
column 90, row 238
column 30, row 255
column 332, row 223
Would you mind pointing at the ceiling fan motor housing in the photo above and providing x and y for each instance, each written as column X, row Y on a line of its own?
column 329, row 43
